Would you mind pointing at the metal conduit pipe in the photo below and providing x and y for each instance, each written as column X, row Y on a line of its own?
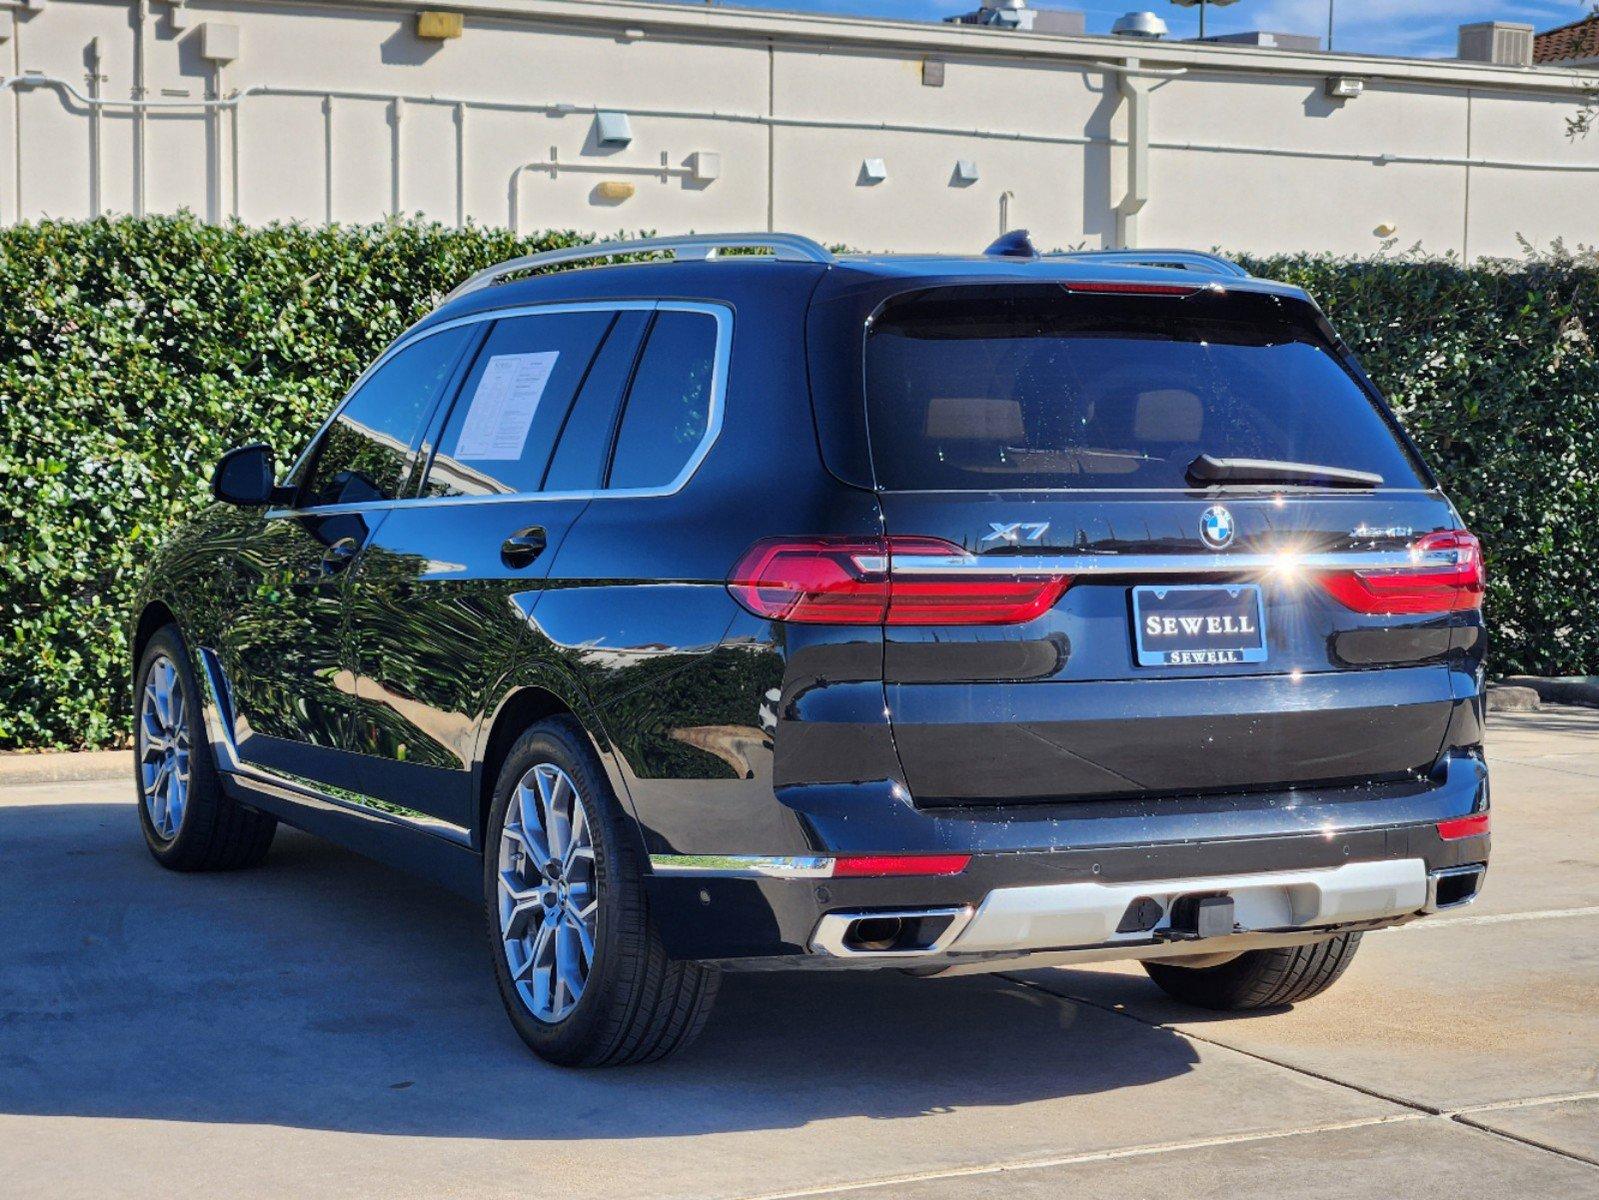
column 1135, row 198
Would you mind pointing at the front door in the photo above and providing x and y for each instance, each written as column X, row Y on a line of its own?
column 287, row 673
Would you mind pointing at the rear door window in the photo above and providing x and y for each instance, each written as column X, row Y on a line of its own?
column 994, row 388
column 516, row 398
column 668, row 411
column 579, row 461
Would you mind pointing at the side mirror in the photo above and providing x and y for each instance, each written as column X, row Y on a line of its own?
column 247, row 476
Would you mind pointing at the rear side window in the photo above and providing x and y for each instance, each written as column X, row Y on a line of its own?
column 365, row 454
column 579, row 462
column 988, row 388
column 513, row 404
column 668, row 408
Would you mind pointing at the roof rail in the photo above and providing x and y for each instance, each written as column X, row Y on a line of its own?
column 786, row 247
column 1188, row 260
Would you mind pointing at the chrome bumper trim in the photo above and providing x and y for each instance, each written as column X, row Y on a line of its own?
column 744, row 866
column 1087, row 914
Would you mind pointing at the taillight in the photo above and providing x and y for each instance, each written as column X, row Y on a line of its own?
column 877, row 581
column 1445, row 575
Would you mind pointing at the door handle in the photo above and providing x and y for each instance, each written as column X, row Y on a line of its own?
column 338, row 555
column 522, row 547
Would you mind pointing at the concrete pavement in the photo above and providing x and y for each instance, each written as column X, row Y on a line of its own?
column 326, row 1027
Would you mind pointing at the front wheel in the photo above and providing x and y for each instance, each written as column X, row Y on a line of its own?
column 189, row 822
column 582, row 973
column 1259, row 978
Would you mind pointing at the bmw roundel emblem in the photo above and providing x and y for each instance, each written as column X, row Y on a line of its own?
column 1216, row 527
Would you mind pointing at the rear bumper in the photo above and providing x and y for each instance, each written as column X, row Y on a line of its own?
column 1083, row 921
column 1297, row 865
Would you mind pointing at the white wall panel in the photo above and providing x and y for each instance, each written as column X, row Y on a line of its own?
column 1248, row 153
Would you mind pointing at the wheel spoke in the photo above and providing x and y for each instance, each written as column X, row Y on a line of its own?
column 532, row 826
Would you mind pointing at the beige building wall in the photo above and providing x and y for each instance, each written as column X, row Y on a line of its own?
column 335, row 110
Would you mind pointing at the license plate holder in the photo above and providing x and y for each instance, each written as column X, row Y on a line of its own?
column 1199, row 624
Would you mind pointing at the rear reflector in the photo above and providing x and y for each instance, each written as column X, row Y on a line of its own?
column 1447, row 576
column 877, row 581
column 863, row 865
column 1463, row 827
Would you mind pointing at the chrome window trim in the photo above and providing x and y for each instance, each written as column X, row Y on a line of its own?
column 720, row 365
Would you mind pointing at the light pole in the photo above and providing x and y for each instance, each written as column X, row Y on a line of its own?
column 1203, row 5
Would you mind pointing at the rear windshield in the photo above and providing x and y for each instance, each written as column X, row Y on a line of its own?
column 993, row 388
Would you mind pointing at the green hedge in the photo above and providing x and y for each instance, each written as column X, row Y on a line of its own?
column 132, row 352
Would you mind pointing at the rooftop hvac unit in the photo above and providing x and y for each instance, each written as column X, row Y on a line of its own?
column 1505, row 43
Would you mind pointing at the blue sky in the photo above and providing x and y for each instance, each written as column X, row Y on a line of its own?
column 1411, row 27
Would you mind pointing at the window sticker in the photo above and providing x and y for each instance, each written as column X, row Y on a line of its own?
column 502, row 408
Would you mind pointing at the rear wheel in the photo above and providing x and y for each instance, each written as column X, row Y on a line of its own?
column 189, row 823
column 583, row 974
column 1260, row 978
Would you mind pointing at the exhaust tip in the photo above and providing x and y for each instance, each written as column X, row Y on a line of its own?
column 889, row 934
column 875, row 933
column 1454, row 887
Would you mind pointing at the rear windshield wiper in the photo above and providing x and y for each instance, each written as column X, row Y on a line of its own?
column 1207, row 470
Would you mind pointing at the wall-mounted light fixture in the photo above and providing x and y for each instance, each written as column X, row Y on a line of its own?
column 612, row 129
column 966, row 170
column 435, row 26
column 614, row 191
column 1344, row 87
column 873, row 170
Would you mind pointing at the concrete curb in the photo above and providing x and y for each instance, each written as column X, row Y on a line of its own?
column 1560, row 689
column 17, row 769
column 1510, row 698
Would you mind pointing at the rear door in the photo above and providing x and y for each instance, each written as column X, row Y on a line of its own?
column 440, row 606
column 1112, row 627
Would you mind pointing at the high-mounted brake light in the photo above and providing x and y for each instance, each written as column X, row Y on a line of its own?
column 878, row 581
column 1112, row 287
column 1446, row 575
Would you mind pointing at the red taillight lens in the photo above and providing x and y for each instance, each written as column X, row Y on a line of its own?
column 1463, row 827
column 825, row 581
column 863, row 865
column 1447, row 577
column 876, row 581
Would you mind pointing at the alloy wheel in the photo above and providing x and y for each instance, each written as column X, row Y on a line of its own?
column 163, row 738
column 548, row 894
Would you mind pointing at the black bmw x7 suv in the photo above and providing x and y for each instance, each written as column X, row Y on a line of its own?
column 785, row 610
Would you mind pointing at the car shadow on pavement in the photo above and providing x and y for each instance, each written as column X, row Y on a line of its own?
column 324, row 991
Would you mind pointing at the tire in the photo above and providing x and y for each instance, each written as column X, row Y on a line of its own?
column 191, row 825
column 1260, row 978
column 634, row 1004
